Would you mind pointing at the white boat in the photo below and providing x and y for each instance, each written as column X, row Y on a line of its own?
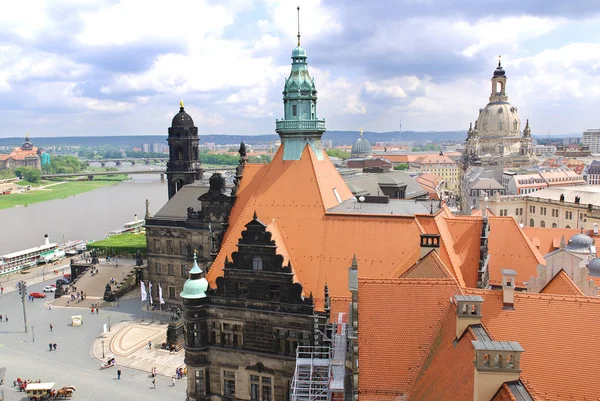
column 15, row 261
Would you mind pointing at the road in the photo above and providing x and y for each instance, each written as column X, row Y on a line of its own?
column 27, row 356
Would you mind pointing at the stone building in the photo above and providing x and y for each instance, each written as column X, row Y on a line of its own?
column 195, row 217
column 241, row 337
column 496, row 136
column 26, row 155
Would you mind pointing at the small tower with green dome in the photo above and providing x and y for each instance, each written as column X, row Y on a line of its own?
column 300, row 125
column 195, row 317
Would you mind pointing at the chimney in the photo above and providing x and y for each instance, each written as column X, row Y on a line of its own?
column 508, row 288
column 46, row 240
column 429, row 242
column 496, row 362
column 468, row 312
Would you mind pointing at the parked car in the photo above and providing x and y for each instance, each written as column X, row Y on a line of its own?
column 61, row 281
column 49, row 288
column 38, row 295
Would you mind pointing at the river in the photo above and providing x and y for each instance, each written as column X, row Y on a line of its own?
column 86, row 216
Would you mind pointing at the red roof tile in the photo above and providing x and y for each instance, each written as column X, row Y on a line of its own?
column 398, row 322
column 561, row 284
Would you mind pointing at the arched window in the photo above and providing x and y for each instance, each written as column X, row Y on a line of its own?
column 568, row 227
column 542, row 224
column 531, row 223
column 257, row 263
column 554, row 225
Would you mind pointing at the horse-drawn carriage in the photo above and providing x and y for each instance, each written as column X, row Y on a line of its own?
column 46, row 391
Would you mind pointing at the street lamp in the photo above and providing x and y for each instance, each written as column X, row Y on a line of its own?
column 109, row 323
column 102, row 348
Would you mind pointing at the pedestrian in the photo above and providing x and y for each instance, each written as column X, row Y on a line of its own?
column 54, row 346
column 0, row 318
column 154, row 382
column 50, row 346
column 1, row 290
column 49, row 306
column 97, row 309
column 173, row 380
column 6, row 318
column 149, row 344
column 51, row 327
column 92, row 311
column 119, row 374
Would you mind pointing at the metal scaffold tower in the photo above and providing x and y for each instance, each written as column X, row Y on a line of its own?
column 320, row 370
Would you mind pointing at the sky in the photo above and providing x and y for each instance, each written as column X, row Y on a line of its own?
column 120, row 67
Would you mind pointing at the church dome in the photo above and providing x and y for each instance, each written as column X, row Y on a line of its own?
column 594, row 267
column 580, row 243
column 361, row 148
column 182, row 119
column 499, row 71
column 299, row 52
column 499, row 125
column 195, row 286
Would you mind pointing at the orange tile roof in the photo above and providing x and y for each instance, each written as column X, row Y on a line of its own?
column 549, row 238
column 561, row 284
column 511, row 249
column 292, row 196
column 435, row 159
column 448, row 371
column 430, row 266
column 429, row 182
column 504, row 394
column 559, row 333
column 398, row 323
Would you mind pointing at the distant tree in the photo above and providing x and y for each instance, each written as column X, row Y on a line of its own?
column 63, row 164
column 19, row 172
column 340, row 154
column 32, row 174
column 401, row 166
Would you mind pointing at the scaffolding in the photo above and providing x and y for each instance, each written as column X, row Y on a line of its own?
column 320, row 370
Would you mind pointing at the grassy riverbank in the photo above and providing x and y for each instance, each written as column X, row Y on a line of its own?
column 57, row 190
column 122, row 244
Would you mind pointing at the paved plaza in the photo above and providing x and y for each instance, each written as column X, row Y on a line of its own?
column 78, row 356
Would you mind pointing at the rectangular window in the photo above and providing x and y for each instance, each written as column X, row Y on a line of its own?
column 199, row 382
column 171, row 269
column 169, row 246
column 294, row 110
column 184, row 271
column 274, row 293
column 337, row 195
column 171, row 292
column 157, row 268
column 156, row 245
column 228, row 383
column 242, row 290
column 261, row 388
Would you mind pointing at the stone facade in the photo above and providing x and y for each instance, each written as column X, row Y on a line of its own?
column 241, row 338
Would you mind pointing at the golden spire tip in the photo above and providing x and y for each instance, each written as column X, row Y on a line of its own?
column 181, row 103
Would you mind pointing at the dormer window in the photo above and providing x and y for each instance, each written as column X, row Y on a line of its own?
column 294, row 110
column 257, row 263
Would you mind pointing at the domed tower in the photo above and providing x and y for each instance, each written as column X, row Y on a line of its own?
column 498, row 122
column 195, row 317
column 300, row 124
column 361, row 148
column 184, row 165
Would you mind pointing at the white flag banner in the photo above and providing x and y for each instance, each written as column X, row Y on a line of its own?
column 144, row 294
column 150, row 291
column 160, row 298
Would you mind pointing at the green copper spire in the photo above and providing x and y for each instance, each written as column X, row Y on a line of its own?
column 300, row 125
column 196, row 285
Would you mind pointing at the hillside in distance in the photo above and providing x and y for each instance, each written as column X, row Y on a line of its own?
column 338, row 138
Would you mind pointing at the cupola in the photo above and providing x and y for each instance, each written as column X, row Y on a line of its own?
column 300, row 125
column 195, row 286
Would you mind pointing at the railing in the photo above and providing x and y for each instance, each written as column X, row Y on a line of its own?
column 300, row 125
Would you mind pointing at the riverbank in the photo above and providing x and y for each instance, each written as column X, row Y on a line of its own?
column 58, row 190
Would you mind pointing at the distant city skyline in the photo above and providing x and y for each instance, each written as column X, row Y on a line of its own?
column 120, row 67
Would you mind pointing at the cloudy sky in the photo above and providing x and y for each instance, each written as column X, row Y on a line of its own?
column 119, row 67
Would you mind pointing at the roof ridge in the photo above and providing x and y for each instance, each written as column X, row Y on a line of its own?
column 566, row 279
column 449, row 244
column 402, row 280
column 312, row 165
column 531, row 247
column 232, row 228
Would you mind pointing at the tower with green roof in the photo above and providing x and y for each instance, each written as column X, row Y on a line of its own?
column 300, row 124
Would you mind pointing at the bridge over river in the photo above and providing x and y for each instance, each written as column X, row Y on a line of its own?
column 91, row 175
